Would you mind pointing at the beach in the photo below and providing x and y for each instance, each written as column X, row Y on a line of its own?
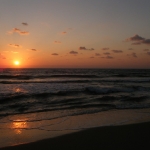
column 124, row 129
column 133, row 136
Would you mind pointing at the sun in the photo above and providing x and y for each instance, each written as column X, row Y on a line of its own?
column 16, row 62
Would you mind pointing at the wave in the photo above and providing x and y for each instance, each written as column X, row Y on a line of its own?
column 108, row 90
column 76, row 108
column 131, row 75
column 63, row 81
column 26, row 81
column 89, row 90
column 27, row 77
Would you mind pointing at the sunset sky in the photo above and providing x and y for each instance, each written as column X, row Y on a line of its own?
column 75, row 33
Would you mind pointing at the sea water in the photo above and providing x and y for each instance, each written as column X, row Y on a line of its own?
column 46, row 99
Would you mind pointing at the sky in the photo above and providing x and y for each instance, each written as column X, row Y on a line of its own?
column 75, row 33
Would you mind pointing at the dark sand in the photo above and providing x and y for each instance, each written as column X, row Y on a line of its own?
column 134, row 136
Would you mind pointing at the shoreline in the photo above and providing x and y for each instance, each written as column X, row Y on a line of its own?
column 129, row 136
column 13, row 134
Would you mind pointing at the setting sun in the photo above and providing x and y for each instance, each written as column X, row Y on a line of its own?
column 16, row 63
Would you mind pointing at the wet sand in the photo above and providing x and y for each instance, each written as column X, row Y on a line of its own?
column 133, row 136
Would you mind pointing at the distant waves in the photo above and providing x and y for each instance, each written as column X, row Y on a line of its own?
column 72, row 91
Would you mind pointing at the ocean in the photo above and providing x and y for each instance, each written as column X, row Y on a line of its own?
column 43, row 99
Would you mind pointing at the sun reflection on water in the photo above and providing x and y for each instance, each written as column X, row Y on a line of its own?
column 17, row 90
column 18, row 125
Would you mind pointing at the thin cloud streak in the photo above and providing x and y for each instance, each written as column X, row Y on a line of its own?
column 107, row 53
column 24, row 23
column 117, row 51
column 15, row 45
column 86, row 49
column 73, row 52
column 105, row 48
column 54, row 54
column 16, row 30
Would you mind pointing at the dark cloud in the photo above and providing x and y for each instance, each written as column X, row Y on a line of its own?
column 146, row 41
column 57, row 42
column 15, row 45
column 97, row 54
column 16, row 30
column 105, row 48
column 73, row 52
column 84, row 48
column 55, row 54
column 117, row 51
column 138, row 40
column 25, row 24
column 146, row 50
column 33, row 50
column 107, row 53
column 109, row 57
column 92, row 49
column 148, row 53
column 135, row 38
column 134, row 55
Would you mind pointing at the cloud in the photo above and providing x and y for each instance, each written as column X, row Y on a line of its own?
column 105, row 48
column 57, row 42
column 15, row 45
column 146, row 50
column 135, row 38
column 97, row 54
column 73, row 52
column 107, row 53
column 109, row 57
column 84, row 48
column 55, row 54
column 146, row 41
column 32, row 49
column 25, row 24
column 16, row 30
column 148, row 53
column 92, row 57
column 64, row 32
column 117, row 51
column 134, row 55
column 138, row 40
